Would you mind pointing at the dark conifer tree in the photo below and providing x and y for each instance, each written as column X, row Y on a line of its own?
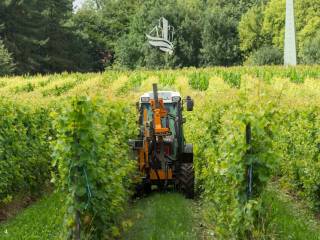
column 23, row 34
column 57, row 14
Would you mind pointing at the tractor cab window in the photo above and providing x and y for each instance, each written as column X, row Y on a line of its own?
column 172, row 109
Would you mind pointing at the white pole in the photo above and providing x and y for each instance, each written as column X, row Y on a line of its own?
column 290, row 52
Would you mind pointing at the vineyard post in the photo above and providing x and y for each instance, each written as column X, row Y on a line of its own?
column 77, row 233
column 78, row 229
column 250, row 169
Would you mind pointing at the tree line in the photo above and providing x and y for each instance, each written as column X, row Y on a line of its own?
column 46, row 36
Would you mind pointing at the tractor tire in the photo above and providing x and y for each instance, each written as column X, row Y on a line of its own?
column 147, row 188
column 186, row 179
column 142, row 189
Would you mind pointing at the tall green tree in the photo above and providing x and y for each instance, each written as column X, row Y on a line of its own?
column 250, row 30
column 56, row 14
column 67, row 49
column 6, row 61
column 103, row 22
column 91, row 27
column 133, row 50
column 310, row 52
column 220, row 37
column 23, row 33
column 239, row 7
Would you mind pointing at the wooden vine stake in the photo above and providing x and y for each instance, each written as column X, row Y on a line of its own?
column 250, row 168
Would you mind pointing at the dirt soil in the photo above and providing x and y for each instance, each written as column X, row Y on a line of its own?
column 15, row 206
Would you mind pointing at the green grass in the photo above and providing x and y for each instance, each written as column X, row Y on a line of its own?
column 289, row 219
column 42, row 220
column 161, row 217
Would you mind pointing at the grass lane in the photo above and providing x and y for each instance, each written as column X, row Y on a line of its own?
column 42, row 220
column 165, row 216
column 288, row 218
column 161, row 217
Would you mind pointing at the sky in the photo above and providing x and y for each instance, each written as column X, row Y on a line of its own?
column 77, row 3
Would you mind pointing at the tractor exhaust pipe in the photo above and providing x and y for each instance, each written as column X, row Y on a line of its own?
column 155, row 95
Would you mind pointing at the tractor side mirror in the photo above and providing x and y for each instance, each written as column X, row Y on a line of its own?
column 189, row 103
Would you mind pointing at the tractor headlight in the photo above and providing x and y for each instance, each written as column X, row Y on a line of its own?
column 168, row 139
column 145, row 99
column 176, row 99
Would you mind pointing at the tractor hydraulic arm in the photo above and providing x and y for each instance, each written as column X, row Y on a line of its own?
column 159, row 112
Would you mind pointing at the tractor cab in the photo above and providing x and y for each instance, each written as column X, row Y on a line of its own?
column 172, row 102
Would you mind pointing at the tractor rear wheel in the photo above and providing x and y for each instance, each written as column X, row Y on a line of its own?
column 186, row 179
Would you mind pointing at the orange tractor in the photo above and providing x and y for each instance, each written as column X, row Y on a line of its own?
column 164, row 159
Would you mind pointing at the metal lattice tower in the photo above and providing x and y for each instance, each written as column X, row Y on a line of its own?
column 290, row 52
